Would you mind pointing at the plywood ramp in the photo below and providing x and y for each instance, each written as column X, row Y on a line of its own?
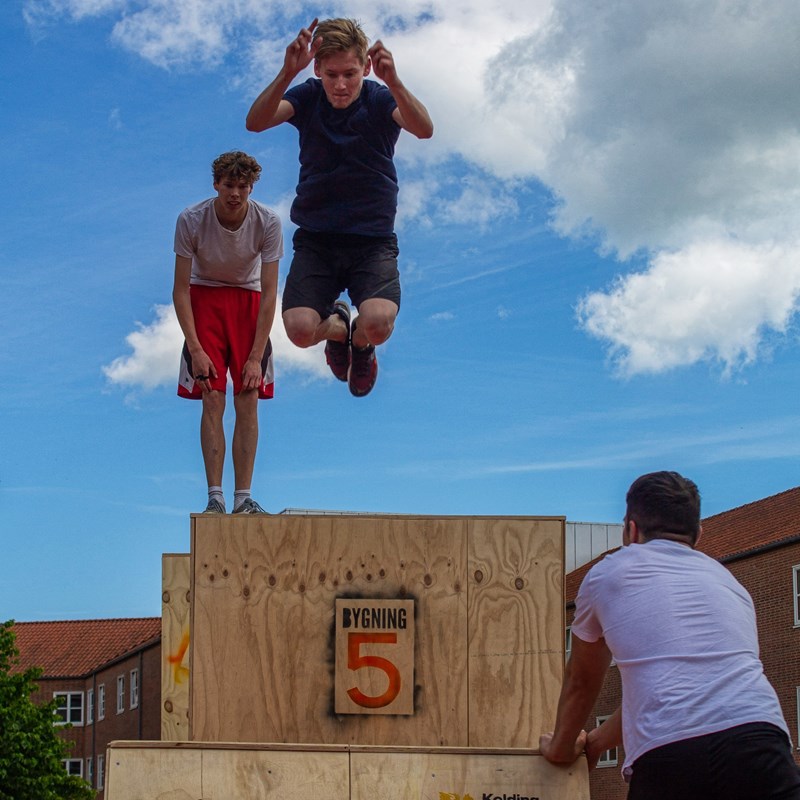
column 207, row 771
column 489, row 626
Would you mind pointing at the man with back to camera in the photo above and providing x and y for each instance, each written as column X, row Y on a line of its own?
column 699, row 719
column 226, row 284
column 347, row 192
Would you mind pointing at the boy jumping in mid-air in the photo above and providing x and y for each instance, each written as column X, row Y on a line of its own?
column 347, row 192
column 226, row 285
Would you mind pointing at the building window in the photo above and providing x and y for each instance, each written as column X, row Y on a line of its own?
column 796, row 588
column 134, row 688
column 90, row 706
column 90, row 772
column 610, row 757
column 69, row 708
column 101, row 702
column 568, row 644
column 120, row 693
column 74, row 766
column 101, row 772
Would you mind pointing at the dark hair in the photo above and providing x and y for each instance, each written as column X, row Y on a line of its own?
column 236, row 165
column 662, row 503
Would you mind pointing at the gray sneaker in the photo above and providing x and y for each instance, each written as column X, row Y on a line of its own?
column 214, row 507
column 249, row 506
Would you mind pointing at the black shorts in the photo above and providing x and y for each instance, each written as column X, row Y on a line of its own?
column 747, row 762
column 326, row 264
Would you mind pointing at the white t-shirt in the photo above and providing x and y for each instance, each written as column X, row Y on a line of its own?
column 682, row 631
column 221, row 257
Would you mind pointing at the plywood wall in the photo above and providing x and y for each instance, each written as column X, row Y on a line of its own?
column 489, row 626
column 137, row 771
column 143, row 771
column 175, row 644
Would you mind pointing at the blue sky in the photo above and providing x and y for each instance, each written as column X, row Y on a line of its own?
column 599, row 251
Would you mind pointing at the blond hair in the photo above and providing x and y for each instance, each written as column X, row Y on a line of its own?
column 340, row 35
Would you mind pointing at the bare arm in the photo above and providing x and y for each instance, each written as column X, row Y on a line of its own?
column 251, row 373
column 583, row 680
column 604, row 737
column 269, row 108
column 201, row 363
column 410, row 114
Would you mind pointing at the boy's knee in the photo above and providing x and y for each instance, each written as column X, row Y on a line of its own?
column 376, row 327
column 301, row 331
column 214, row 403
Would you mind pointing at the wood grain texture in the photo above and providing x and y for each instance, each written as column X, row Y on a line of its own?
column 153, row 774
column 175, row 645
column 516, row 627
column 264, row 590
column 449, row 776
column 222, row 771
column 225, row 774
column 488, row 651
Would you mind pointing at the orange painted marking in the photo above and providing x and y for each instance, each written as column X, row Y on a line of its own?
column 179, row 672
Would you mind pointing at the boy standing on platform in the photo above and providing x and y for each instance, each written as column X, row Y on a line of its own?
column 226, row 282
column 347, row 192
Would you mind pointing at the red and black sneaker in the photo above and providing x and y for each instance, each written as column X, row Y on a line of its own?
column 337, row 354
column 363, row 370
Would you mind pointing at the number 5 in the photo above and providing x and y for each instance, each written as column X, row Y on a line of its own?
column 357, row 661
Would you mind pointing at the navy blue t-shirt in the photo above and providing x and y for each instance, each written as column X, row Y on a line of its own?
column 348, row 181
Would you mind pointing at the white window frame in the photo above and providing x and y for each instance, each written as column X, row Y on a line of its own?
column 568, row 643
column 134, row 689
column 608, row 758
column 796, row 594
column 101, row 772
column 68, row 762
column 120, row 694
column 69, row 708
column 89, row 706
column 797, row 701
column 90, row 771
column 101, row 702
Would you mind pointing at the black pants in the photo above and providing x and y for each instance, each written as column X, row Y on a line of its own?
column 748, row 762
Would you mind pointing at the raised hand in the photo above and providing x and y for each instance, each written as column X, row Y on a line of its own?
column 300, row 53
column 383, row 63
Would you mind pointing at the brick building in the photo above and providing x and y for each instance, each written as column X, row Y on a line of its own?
column 107, row 676
column 760, row 544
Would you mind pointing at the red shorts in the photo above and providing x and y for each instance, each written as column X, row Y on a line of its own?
column 225, row 319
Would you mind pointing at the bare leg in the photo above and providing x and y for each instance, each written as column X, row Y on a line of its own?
column 212, row 436
column 375, row 322
column 305, row 327
column 245, row 437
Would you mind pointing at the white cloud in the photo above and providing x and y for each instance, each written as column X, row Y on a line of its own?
column 670, row 130
column 710, row 301
column 40, row 12
column 156, row 351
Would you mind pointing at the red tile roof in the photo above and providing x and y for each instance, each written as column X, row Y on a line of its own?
column 753, row 525
column 731, row 533
column 75, row 648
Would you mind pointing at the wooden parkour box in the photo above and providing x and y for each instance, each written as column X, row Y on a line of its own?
column 354, row 656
